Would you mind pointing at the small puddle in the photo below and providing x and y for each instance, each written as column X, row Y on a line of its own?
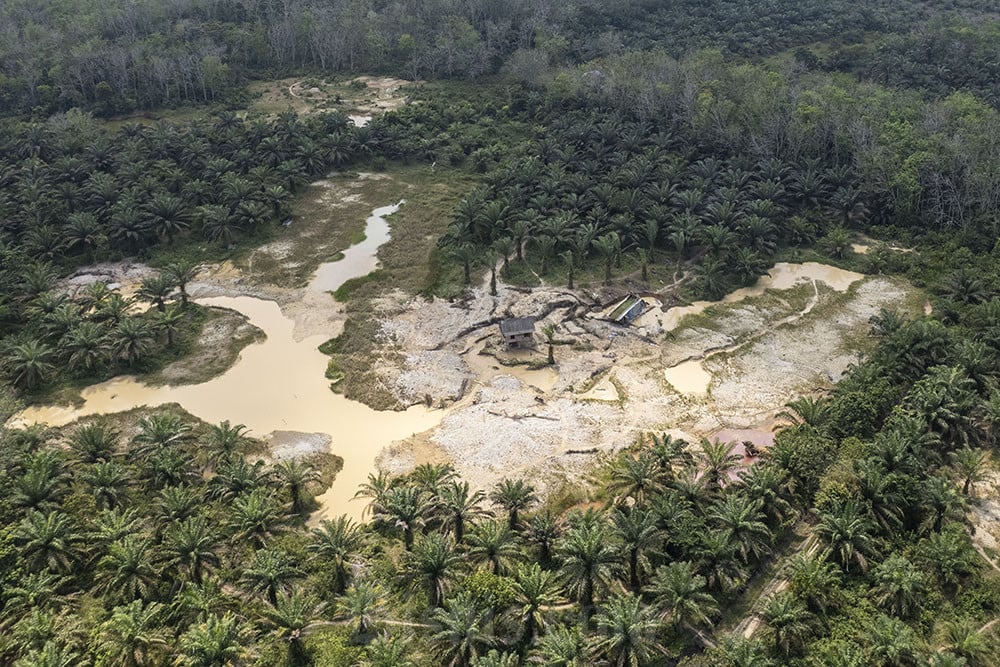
column 358, row 260
column 277, row 385
column 689, row 377
column 485, row 368
column 604, row 390
column 783, row 276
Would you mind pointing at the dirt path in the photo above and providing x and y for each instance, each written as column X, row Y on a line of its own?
column 985, row 556
column 752, row 621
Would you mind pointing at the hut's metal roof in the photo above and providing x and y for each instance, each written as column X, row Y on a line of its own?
column 517, row 325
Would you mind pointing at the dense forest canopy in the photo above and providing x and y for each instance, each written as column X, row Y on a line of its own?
column 115, row 57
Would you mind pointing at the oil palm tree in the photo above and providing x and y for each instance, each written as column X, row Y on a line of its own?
column 587, row 562
column 543, row 531
column 180, row 274
column 177, row 503
column 492, row 542
column 964, row 639
column 167, row 216
column 161, row 430
column 38, row 489
column 562, row 646
column 296, row 477
column 156, row 290
column 390, row 650
column 514, row 496
column 941, row 502
column 29, row 364
column 891, row 643
column 109, row 483
column 773, row 485
column 970, row 467
column 608, row 246
column 809, row 410
column 257, row 516
column 127, row 571
column 460, row 505
column 626, row 633
column 635, row 477
column 236, row 477
column 133, row 636
column 132, row 339
column 463, row 632
column 48, row 541
column 405, row 508
column 116, row 524
column 224, row 440
column 271, row 571
column 364, row 603
column 465, row 254
column 292, row 617
column 168, row 322
column 216, row 642
column 336, row 542
column 191, row 548
column 431, row 566
column 717, row 461
column 813, row 580
column 636, row 531
column 741, row 519
column 720, row 563
column 114, row 311
column 679, row 595
column 945, row 399
column 847, row 534
column 899, row 586
column 534, row 589
column 34, row 590
column 87, row 345
column 790, row 621
column 949, row 555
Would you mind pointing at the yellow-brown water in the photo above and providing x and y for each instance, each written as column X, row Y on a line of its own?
column 691, row 377
column 276, row 385
column 783, row 276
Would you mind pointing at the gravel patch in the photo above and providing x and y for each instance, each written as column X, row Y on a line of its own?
column 287, row 445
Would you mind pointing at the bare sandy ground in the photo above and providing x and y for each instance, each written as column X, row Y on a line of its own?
column 608, row 386
column 509, row 415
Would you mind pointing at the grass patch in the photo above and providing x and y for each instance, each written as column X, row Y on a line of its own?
column 411, row 263
column 343, row 293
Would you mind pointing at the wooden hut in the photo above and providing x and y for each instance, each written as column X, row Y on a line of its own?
column 518, row 331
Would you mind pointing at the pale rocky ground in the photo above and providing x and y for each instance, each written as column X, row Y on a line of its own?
column 985, row 516
column 608, row 385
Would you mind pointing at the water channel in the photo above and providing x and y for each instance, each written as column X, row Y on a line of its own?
column 276, row 385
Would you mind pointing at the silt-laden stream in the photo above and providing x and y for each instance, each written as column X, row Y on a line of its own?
column 277, row 385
